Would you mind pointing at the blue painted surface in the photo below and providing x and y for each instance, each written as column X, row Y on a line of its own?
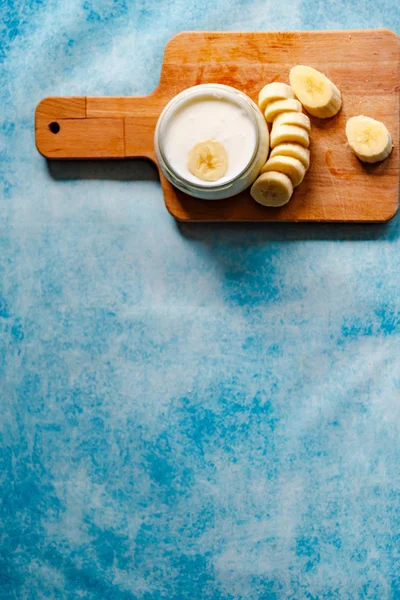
column 186, row 412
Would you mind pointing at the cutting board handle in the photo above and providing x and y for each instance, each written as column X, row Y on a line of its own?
column 97, row 127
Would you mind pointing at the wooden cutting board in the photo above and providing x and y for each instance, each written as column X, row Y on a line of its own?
column 363, row 64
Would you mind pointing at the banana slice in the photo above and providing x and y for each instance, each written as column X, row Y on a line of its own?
column 208, row 160
column 319, row 96
column 287, row 165
column 294, row 118
column 295, row 150
column 289, row 133
column 280, row 106
column 272, row 189
column 272, row 92
column 369, row 139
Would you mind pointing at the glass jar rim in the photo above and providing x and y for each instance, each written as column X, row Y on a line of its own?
column 198, row 90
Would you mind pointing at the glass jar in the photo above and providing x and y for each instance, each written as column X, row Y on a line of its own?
column 171, row 150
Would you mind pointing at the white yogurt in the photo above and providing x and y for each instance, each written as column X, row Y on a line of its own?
column 209, row 118
column 205, row 112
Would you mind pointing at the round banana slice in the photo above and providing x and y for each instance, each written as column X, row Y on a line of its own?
column 369, row 139
column 294, row 118
column 287, row 165
column 272, row 92
column 208, row 160
column 272, row 189
column 280, row 106
column 289, row 133
column 319, row 96
column 295, row 150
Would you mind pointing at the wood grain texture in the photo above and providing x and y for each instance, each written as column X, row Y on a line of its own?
column 73, row 107
column 83, row 138
column 363, row 64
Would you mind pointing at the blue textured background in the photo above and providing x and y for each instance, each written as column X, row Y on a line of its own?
column 186, row 412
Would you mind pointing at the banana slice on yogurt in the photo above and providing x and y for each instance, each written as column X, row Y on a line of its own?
column 208, row 160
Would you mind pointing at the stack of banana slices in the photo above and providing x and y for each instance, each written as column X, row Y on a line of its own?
column 282, row 105
column 289, row 159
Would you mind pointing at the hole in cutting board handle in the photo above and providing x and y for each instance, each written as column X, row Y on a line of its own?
column 54, row 127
